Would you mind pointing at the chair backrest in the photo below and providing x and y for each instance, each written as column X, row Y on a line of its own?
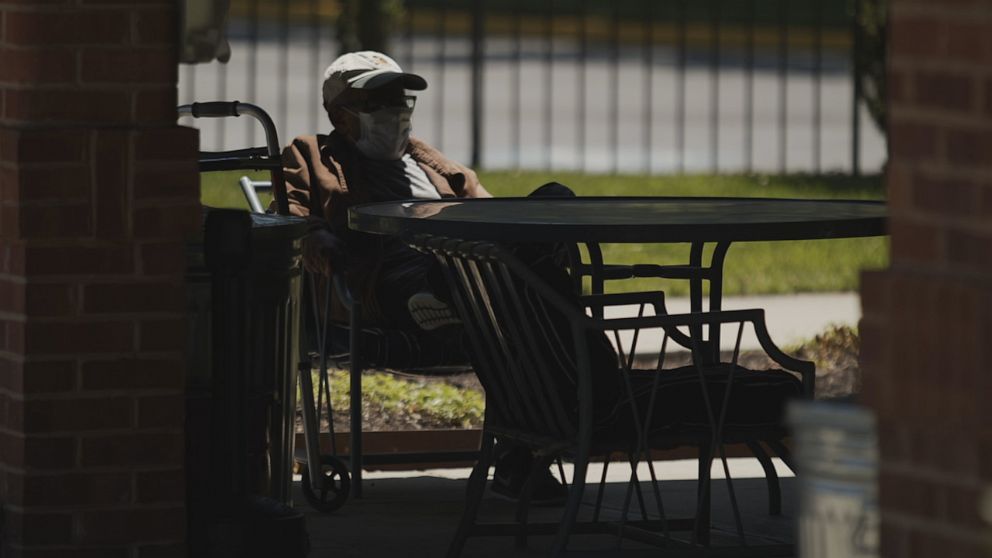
column 547, row 366
column 528, row 349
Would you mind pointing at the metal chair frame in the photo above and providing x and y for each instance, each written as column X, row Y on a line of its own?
column 268, row 158
column 512, row 359
column 319, row 291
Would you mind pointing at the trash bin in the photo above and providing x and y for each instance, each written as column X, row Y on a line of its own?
column 244, row 307
column 836, row 453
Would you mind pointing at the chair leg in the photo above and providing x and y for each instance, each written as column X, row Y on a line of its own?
column 701, row 533
column 782, row 452
column 572, row 506
column 602, row 487
column 473, row 496
column 526, row 493
column 771, row 477
column 356, row 402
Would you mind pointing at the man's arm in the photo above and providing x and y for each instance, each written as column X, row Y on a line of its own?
column 473, row 188
column 297, row 175
column 323, row 251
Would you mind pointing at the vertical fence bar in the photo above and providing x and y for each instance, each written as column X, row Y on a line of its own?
column 549, row 52
column 615, row 90
column 648, row 84
column 783, row 85
column 515, row 82
column 283, row 73
column 680, row 88
column 315, row 85
column 189, row 91
column 749, row 88
column 251, row 72
column 856, row 101
column 408, row 36
column 817, row 84
column 583, row 63
column 440, row 62
column 715, row 8
column 221, row 129
column 478, row 30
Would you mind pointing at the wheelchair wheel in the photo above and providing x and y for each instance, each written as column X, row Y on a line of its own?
column 336, row 485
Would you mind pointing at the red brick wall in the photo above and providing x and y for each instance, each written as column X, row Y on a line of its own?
column 927, row 328
column 98, row 192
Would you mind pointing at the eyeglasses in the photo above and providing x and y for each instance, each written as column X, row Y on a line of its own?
column 373, row 104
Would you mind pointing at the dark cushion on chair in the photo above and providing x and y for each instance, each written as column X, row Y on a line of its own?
column 757, row 399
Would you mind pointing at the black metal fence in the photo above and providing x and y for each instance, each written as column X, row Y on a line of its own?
column 587, row 85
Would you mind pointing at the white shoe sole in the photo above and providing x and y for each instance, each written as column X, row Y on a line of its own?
column 430, row 313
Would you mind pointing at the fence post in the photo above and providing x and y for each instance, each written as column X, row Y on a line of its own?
column 478, row 28
column 856, row 101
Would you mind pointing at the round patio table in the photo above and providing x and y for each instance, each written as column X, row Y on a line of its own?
column 592, row 220
column 624, row 219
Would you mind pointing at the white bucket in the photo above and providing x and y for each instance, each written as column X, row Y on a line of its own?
column 836, row 452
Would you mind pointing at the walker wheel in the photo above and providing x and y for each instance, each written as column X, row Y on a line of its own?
column 336, row 485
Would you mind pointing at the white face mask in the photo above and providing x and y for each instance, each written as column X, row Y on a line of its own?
column 384, row 133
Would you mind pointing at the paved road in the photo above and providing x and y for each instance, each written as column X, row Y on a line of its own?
column 559, row 139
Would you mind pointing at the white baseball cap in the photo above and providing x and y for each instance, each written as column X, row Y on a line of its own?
column 365, row 70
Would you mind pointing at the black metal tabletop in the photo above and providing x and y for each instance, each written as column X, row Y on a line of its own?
column 625, row 219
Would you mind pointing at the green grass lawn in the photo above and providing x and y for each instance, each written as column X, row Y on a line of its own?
column 751, row 267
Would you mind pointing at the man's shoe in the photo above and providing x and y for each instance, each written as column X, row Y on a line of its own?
column 430, row 313
column 548, row 491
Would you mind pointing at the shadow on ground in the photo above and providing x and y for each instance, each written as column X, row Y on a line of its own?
column 416, row 516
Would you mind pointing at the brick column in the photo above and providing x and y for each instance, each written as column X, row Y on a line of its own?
column 927, row 328
column 98, row 192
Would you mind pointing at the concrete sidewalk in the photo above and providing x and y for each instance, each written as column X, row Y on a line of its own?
column 790, row 318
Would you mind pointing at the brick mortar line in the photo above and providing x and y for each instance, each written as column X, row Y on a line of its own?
column 12, row 356
column 949, row 118
column 978, row 281
column 84, row 86
column 930, row 525
column 91, row 394
column 128, row 280
column 82, row 469
column 940, row 12
column 99, row 318
column 943, row 170
column 131, row 7
column 950, row 222
column 80, row 164
column 947, row 222
column 49, row 202
column 103, row 280
column 912, row 67
column 134, row 547
column 935, row 64
column 964, row 274
column 74, row 125
column 94, row 394
column 925, row 473
column 75, row 48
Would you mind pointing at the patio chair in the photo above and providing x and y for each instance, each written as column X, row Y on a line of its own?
column 334, row 335
column 554, row 383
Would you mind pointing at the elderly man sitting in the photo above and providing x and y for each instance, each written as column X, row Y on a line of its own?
column 369, row 157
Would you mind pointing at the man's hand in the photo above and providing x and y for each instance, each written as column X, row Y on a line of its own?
column 324, row 252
